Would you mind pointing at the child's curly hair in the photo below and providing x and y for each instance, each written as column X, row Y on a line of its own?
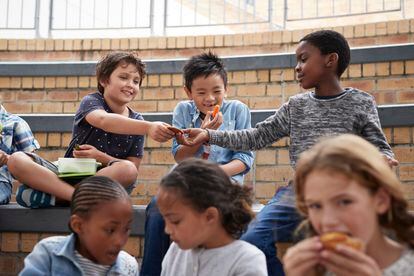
column 203, row 184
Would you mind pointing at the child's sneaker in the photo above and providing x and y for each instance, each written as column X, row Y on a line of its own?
column 29, row 198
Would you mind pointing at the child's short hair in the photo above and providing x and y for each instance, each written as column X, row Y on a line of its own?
column 204, row 65
column 110, row 62
column 328, row 42
column 94, row 190
column 203, row 184
column 357, row 159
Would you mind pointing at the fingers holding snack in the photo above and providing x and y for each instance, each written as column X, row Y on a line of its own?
column 212, row 120
column 302, row 258
column 160, row 132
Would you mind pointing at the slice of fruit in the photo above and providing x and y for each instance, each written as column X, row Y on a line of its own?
column 215, row 110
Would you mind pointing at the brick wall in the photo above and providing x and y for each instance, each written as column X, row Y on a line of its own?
column 389, row 82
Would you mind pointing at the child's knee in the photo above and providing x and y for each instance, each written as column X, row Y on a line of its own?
column 15, row 160
column 128, row 172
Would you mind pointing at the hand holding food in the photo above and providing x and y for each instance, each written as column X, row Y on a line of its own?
column 160, row 132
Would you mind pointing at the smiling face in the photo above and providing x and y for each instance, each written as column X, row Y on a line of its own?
column 336, row 203
column 312, row 67
column 206, row 92
column 122, row 85
column 187, row 227
column 104, row 232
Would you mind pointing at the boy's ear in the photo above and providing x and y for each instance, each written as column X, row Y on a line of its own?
column 212, row 214
column 75, row 223
column 103, row 82
column 332, row 59
column 382, row 201
column 188, row 92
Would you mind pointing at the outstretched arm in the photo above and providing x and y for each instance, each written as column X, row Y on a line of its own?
column 115, row 123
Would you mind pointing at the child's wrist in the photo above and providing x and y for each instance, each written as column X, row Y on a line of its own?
column 207, row 135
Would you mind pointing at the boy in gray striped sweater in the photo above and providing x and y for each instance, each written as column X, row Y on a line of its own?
column 328, row 110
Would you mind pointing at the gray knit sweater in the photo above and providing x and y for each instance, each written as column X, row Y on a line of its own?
column 305, row 119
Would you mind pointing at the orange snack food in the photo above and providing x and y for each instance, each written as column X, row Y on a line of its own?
column 215, row 110
column 175, row 130
column 331, row 239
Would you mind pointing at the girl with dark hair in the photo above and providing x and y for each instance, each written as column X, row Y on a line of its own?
column 101, row 215
column 205, row 213
column 343, row 186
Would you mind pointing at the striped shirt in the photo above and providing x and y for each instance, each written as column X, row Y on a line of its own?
column 305, row 119
column 90, row 268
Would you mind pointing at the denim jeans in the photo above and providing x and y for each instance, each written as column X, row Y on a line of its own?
column 156, row 241
column 276, row 222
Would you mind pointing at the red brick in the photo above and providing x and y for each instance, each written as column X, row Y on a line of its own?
column 167, row 106
column 395, row 84
column 265, row 102
column 251, row 90
column 163, row 157
column 283, row 157
column 406, row 172
column 65, row 95
column 15, row 82
column 266, row 157
column 54, row 140
column 51, row 155
column 158, row 94
column 41, row 138
column 10, row 242
column 250, row 76
column 10, row 265
column 42, row 107
column 132, row 246
column 272, row 173
column 28, row 241
column 404, row 154
column 397, row 67
column 152, row 172
column 264, row 190
column 30, row 96
column 383, row 69
column 144, row 106
column 402, row 135
column 18, row 107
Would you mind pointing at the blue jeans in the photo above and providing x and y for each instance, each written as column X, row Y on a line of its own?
column 156, row 241
column 276, row 222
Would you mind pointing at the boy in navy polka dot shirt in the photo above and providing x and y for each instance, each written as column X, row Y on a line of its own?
column 105, row 129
